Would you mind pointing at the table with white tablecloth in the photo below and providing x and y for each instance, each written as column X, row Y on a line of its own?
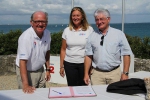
column 42, row 94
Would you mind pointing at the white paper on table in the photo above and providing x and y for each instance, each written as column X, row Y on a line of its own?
column 83, row 91
column 59, row 92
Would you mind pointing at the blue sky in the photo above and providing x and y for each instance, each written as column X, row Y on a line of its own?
column 19, row 11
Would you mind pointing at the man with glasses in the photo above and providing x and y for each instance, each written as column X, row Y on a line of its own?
column 105, row 48
column 33, row 52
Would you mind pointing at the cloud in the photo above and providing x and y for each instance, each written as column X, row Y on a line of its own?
column 137, row 6
column 59, row 10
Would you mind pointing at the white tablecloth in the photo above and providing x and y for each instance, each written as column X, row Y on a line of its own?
column 42, row 94
column 140, row 74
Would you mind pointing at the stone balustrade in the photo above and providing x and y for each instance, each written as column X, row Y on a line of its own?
column 7, row 64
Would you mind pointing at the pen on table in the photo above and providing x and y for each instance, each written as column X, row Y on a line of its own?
column 56, row 91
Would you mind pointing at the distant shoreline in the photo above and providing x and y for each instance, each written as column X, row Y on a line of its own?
column 132, row 29
column 67, row 23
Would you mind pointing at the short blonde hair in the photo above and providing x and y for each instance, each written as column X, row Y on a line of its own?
column 84, row 22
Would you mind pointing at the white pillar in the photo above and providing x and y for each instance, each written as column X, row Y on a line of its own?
column 72, row 3
column 123, row 9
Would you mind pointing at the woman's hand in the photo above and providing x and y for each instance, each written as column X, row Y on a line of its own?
column 62, row 73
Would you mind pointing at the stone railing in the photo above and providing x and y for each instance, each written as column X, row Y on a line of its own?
column 7, row 64
column 141, row 64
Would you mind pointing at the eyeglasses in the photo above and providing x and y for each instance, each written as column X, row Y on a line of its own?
column 102, row 40
column 101, row 19
column 38, row 22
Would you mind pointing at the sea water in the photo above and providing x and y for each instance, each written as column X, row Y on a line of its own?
column 132, row 29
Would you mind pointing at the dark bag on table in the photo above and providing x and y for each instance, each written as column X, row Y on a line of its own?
column 129, row 86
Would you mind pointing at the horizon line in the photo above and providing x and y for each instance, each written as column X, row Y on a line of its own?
column 66, row 23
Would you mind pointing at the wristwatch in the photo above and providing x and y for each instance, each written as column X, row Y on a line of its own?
column 48, row 69
column 126, row 73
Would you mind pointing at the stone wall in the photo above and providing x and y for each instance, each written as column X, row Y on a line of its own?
column 7, row 64
column 141, row 64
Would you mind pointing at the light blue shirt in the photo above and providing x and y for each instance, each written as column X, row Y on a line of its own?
column 114, row 46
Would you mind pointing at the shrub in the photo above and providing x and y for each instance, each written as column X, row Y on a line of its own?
column 140, row 46
column 56, row 42
column 9, row 43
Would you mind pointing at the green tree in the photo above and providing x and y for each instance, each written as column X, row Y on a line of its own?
column 140, row 46
column 9, row 42
column 56, row 42
column 145, row 47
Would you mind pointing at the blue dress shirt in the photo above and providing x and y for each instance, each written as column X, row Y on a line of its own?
column 108, row 55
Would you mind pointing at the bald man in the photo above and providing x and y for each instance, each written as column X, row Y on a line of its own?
column 33, row 52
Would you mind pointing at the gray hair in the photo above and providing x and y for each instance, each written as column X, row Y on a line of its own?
column 101, row 10
column 39, row 11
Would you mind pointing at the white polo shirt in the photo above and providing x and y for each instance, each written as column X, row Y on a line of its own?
column 76, row 41
column 33, row 49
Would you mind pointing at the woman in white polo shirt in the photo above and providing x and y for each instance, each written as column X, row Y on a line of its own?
column 74, row 39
